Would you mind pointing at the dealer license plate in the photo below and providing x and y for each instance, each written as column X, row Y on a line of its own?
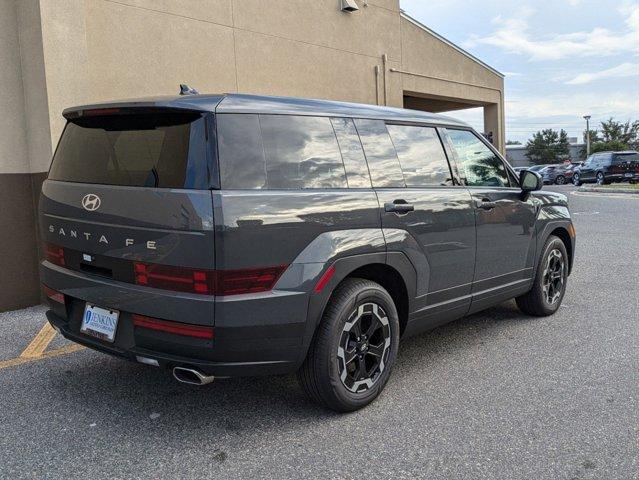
column 100, row 322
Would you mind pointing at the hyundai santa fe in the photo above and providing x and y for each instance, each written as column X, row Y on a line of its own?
column 230, row 235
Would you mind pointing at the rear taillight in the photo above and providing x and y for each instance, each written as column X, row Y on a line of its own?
column 207, row 282
column 176, row 328
column 54, row 254
column 53, row 294
column 174, row 278
column 249, row 280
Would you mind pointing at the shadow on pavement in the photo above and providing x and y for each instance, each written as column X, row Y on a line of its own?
column 124, row 397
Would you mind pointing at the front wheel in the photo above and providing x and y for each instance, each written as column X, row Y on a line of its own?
column 549, row 285
column 576, row 180
column 354, row 349
column 601, row 180
column 560, row 180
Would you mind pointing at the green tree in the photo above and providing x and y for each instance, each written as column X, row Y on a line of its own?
column 548, row 146
column 625, row 133
column 610, row 146
column 613, row 136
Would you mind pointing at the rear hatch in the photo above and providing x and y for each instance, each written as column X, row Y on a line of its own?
column 128, row 201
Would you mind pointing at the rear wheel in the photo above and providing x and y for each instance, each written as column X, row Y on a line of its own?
column 549, row 285
column 354, row 349
column 560, row 180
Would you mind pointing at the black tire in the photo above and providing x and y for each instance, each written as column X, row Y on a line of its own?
column 536, row 301
column 560, row 180
column 319, row 375
column 600, row 179
column 576, row 180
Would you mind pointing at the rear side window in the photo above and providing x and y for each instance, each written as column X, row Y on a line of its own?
column 301, row 152
column 151, row 150
column 421, row 155
column 478, row 165
column 380, row 153
column 278, row 152
column 623, row 159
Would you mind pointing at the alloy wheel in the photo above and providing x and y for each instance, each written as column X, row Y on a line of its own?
column 554, row 276
column 561, row 180
column 364, row 347
column 575, row 179
column 600, row 178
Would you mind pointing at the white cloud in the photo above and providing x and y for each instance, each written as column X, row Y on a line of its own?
column 600, row 105
column 620, row 71
column 513, row 35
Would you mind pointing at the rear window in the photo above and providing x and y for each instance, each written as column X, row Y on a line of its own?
column 151, row 150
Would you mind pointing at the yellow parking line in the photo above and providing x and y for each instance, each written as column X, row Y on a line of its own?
column 53, row 353
column 40, row 343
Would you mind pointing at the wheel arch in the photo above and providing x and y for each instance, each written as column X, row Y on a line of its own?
column 392, row 270
column 564, row 236
column 392, row 281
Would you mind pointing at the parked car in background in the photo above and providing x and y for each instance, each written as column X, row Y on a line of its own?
column 558, row 174
column 553, row 174
column 569, row 170
column 607, row 167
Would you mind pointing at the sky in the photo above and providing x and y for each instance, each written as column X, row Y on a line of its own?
column 562, row 59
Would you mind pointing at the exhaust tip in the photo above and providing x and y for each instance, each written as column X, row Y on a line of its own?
column 191, row 376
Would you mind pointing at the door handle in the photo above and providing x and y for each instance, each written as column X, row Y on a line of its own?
column 399, row 207
column 486, row 204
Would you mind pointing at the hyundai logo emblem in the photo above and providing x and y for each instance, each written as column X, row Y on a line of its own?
column 91, row 202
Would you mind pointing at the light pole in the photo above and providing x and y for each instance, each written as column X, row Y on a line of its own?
column 587, row 118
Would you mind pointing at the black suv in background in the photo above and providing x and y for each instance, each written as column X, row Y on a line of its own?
column 608, row 167
column 225, row 235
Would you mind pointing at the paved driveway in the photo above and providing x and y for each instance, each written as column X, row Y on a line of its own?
column 496, row 395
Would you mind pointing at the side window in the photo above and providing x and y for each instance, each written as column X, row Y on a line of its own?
column 301, row 152
column 478, row 165
column 421, row 155
column 380, row 154
column 241, row 159
column 354, row 161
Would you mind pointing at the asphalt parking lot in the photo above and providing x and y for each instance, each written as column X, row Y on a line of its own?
column 495, row 395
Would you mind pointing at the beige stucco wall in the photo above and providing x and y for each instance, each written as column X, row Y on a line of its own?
column 13, row 139
column 59, row 53
column 93, row 50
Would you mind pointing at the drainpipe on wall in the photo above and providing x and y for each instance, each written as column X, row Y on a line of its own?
column 384, row 66
column 376, row 84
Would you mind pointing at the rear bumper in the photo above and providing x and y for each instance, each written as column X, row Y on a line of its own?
column 257, row 334
column 168, row 361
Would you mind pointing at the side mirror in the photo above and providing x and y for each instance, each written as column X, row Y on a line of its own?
column 530, row 181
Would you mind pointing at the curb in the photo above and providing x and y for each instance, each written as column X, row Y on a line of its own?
column 634, row 191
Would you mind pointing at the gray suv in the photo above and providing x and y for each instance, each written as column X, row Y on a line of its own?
column 227, row 235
